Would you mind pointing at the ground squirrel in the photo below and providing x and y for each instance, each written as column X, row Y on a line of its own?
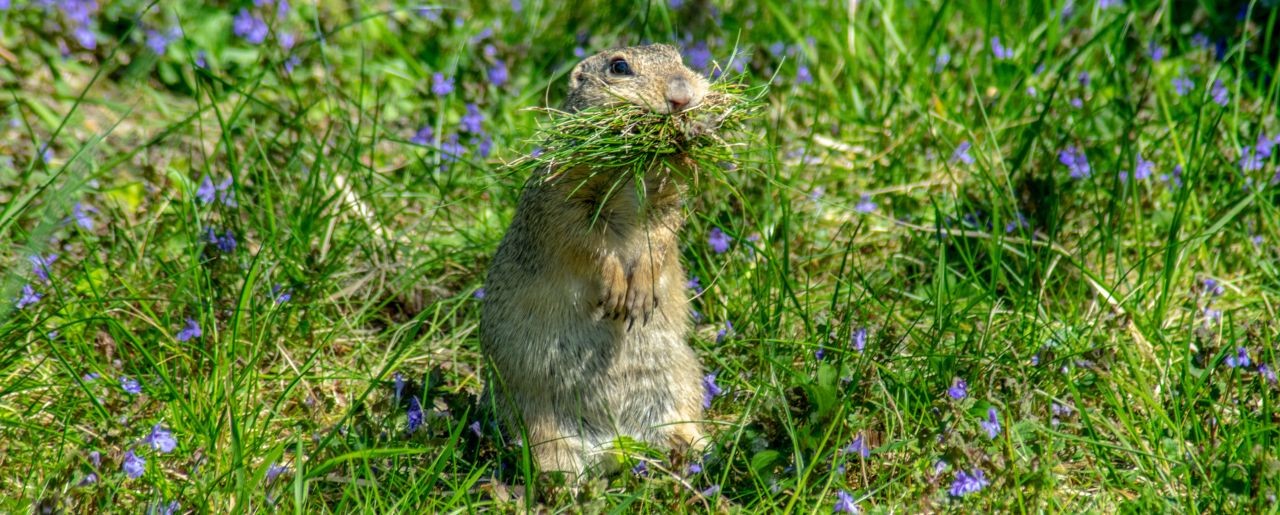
column 586, row 315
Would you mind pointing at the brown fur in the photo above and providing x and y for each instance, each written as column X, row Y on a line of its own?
column 586, row 313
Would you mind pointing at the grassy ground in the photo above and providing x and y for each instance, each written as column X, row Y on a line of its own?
column 254, row 234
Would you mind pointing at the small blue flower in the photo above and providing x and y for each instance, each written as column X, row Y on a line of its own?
column 399, row 384
column 1000, row 52
column 226, row 194
column 479, row 293
column 1076, row 162
column 80, row 213
column 698, row 56
column 274, row 471
column 859, row 339
column 718, row 240
column 133, row 465
column 1182, row 85
column 40, row 265
column 961, row 153
column 1084, row 78
column 130, row 385
column 451, row 150
column 249, row 27
column 1212, row 287
column 1144, row 169
column 1220, row 94
column 471, row 122
column 695, row 468
column 1267, row 373
column 159, row 41
column 425, row 136
column 710, row 389
column 498, row 73
column 845, row 504
column 161, row 439
column 865, row 205
column 640, row 470
column 695, row 284
column 858, row 446
column 724, row 332
column 292, row 62
column 206, row 192
column 415, row 414
column 1250, row 161
column 711, row 491
column 1199, row 40
column 992, row 423
column 475, row 428
column 1156, row 51
column 202, row 59
column 441, row 85
column 189, row 331
column 29, row 296
column 967, row 483
column 1238, row 360
column 803, row 76
column 959, row 389
column 280, row 294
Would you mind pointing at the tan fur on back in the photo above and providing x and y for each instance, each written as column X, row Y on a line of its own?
column 586, row 315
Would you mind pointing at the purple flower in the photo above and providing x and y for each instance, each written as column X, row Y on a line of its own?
column 485, row 146
column 1141, row 172
column 287, row 40
column 820, row 353
column 89, row 479
column 85, row 37
column 29, row 296
column 718, row 240
column 992, row 423
column 1077, row 103
column 1263, row 146
column 1239, row 359
column 711, row 490
column 859, row 339
column 694, row 283
column 1000, row 51
column 202, row 59
column 280, row 294
column 640, row 470
column 1019, row 222
column 415, row 414
column 1219, row 93
column 133, row 465
column 1107, row 4
column 161, row 439
column 940, row 62
column 1212, row 287
column 1267, row 373
column 961, row 153
column 191, row 330
column 1076, row 162
column 158, row 41
column 968, row 483
column 1084, row 79
column 1199, row 40
column 292, row 62
column 225, row 194
column 441, row 85
column 803, row 76
column 130, row 385
column 225, row 243
column 695, row 468
column 249, row 27
column 857, row 446
column 274, row 470
column 206, row 192
column 80, row 213
column 1155, row 51
column 724, row 331
column 498, row 73
column 451, row 150
column 845, row 504
column 959, row 389
column 1182, row 85
column 698, row 56
column 90, row 377
column 865, row 205
column 1249, row 159
column 710, row 389
column 40, row 265
column 424, row 136
column 471, row 122
column 475, row 429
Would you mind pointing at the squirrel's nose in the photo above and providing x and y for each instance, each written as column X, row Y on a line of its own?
column 679, row 94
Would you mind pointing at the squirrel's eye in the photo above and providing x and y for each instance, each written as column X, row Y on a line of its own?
column 619, row 66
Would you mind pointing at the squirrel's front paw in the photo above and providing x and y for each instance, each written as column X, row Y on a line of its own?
column 613, row 289
column 642, row 296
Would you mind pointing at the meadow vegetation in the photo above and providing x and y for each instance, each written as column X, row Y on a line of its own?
column 970, row 256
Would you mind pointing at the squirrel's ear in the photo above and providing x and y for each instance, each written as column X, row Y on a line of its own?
column 576, row 77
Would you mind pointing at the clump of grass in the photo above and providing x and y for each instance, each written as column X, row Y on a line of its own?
column 634, row 139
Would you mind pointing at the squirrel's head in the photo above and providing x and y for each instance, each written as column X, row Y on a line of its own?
column 651, row 76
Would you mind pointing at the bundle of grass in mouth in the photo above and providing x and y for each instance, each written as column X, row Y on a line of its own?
column 636, row 140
